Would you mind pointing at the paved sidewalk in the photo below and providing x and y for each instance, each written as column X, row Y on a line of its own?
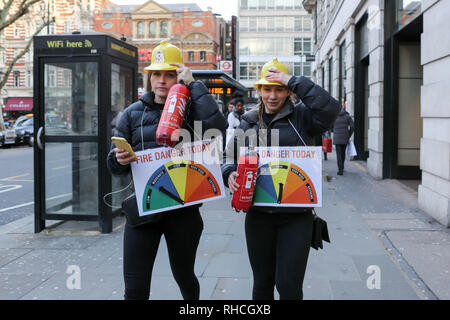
column 371, row 223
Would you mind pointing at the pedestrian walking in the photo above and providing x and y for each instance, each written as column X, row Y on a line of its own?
column 181, row 228
column 230, row 108
column 342, row 131
column 279, row 238
column 319, row 142
column 234, row 117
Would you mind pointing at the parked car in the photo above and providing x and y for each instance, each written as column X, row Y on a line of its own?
column 20, row 133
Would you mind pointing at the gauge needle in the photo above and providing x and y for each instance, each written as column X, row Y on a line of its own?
column 170, row 194
column 280, row 194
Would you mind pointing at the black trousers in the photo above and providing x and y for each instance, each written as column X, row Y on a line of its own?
column 340, row 155
column 278, row 247
column 182, row 229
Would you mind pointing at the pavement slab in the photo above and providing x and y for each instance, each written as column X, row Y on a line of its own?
column 372, row 224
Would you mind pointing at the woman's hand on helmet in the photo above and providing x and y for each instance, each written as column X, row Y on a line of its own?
column 183, row 74
column 275, row 75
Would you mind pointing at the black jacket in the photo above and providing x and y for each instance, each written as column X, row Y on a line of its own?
column 203, row 108
column 343, row 128
column 313, row 116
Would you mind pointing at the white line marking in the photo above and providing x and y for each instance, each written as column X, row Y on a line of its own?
column 10, row 187
column 30, row 203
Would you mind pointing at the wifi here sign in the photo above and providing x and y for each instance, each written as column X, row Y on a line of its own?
column 68, row 44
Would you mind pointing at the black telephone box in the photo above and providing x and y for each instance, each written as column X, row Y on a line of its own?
column 82, row 83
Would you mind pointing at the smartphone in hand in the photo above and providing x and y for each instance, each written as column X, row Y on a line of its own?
column 122, row 143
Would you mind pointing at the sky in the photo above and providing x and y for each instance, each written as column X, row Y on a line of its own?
column 226, row 8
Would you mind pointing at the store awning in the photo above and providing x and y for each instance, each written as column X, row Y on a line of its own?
column 19, row 104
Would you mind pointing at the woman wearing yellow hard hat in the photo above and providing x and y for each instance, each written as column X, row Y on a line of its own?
column 279, row 238
column 181, row 228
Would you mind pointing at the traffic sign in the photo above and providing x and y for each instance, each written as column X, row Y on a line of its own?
column 310, row 58
column 226, row 66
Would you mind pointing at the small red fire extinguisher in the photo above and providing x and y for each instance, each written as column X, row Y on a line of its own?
column 247, row 171
column 167, row 133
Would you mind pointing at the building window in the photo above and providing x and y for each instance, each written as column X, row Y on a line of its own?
column 140, row 29
column 107, row 25
column 279, row 4
column 67, row 26
column 270, row 4
column 2, row 56
column 407, row 11
column 16, row 31
column 152, row 28
column 307, row 69
column 261, row 24
column 252, row 24
column 52, row 28
column 202, row 55
column 302, row 46
column 279, row 23
column 29, row 84
column 163, row 28
column 297, row 69
column 342, row 73
column 243, row 70
column 261, row 4
column 244, row 4
column 302, row 69
column 330, row 76
column 252, row 4
column 191, row 56
column 270, row 24
column 16, row 79
column 243, row 24
column 307, row 25
column 264, row 47
column 323, row 77
column 251, row 70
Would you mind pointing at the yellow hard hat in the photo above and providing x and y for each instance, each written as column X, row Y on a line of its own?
column 163, row 55
column 265, row 69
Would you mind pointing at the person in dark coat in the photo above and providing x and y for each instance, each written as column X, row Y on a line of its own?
column 182, row 227
column 279, row 238
column 342, row 131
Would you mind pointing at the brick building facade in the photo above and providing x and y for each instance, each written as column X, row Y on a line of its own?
column 199, row 34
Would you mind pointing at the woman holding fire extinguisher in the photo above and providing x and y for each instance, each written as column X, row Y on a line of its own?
column 279, row 238
column 181, row 228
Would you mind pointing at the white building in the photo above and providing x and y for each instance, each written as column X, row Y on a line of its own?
column 273, row 28
column 389, row 62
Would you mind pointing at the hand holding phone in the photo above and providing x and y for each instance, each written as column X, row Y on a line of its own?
column 127, row 155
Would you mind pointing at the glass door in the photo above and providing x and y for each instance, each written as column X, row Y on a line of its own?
column 68, row 139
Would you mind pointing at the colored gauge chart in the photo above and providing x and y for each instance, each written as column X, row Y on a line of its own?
column 178, row 183
column 281, row 182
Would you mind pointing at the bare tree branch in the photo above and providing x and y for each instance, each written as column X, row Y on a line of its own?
column 22, row 10
column 17, row 58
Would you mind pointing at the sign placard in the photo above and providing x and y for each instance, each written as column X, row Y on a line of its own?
column 170, row 178
column 289, row 177
column 226, row 66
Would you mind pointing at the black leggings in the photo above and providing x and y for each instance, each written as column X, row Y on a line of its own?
column 340, row 155
column 278, row 247
column 182, row 230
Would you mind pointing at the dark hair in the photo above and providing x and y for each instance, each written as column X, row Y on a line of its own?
column 238, row 100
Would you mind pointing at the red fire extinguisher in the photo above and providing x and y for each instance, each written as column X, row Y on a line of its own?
column 167, row 133
column 247, row 171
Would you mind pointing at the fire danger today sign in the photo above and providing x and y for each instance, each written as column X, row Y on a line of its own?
column 226, row 66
